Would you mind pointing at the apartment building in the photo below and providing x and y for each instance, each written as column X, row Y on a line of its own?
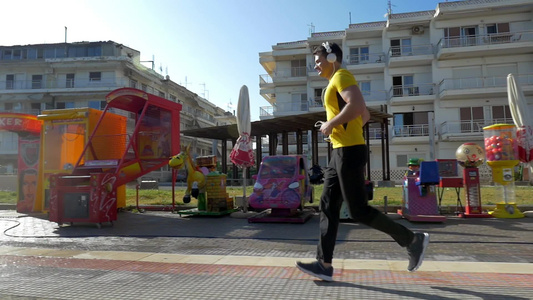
column 69, row 75
column 440, row 73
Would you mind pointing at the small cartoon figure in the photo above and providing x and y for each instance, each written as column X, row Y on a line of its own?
column 414, row 166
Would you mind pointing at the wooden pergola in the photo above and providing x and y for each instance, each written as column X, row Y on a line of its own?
column 298, row 124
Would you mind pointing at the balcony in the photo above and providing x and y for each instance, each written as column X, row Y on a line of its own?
column 290, row 76
column 408, row 134
column 366, row 63
column 412, row 94
column 467, row 130
column 375, row 97
column 507, row 43
column 408, row 56
column 315, row 104
column 375, row 135
column 40, row 86
column 481, row 87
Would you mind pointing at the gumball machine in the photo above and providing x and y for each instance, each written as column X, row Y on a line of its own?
column 502, row 156
column 470, row 156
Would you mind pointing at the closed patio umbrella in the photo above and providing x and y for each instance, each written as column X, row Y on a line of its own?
column 242, row 154
column 522, row 120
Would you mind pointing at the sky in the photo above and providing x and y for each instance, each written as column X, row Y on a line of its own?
column 210, row 46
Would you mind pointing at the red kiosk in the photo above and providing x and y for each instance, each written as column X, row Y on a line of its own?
column 89, row 193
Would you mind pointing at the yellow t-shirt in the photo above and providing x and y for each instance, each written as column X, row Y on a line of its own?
column 348, row 134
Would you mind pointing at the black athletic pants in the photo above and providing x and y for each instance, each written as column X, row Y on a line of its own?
column 344, row 180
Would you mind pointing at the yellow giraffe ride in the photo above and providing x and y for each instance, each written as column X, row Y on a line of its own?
column 195, row 178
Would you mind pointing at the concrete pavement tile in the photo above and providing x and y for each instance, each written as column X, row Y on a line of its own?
column 164, row 258
column 112, row 255
column 9, row 250
column 514, row 268
column 365, row 264
column 200, row 259
column 64, row 253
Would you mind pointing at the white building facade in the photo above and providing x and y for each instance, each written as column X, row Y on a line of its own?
column 70, row 75
column 442, row 74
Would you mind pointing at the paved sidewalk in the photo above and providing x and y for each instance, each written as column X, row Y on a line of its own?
column 159, row 255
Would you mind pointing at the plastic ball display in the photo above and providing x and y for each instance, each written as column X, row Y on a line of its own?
column 500, row 148
column 470, row 155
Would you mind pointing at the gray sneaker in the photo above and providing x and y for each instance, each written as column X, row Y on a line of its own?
column 416, row 250
column 316, row 269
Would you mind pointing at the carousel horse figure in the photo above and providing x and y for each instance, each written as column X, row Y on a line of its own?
column 196, row 180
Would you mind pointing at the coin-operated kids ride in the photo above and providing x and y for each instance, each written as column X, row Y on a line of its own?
column 502, row 156
column 195, row 177
column 204, row 184
column 419, row 192
column 89, row 192
column 470, row 156
column 281, row 189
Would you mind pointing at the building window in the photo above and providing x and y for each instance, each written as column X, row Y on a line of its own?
column 10, row 81
column 37, row 81
column 17, row 54
column 411, row 124
column 70, row 80
column 501, row 114
column 403, row 85
column 62, row 105
column 100, row 105
column 35, row 108
column 358, row 55
column 50, row 53
column 144, row 87
column 401, row 47
column 364, row 86
column 95, row 76
column 133, row 83
column 8, row 106
column 299, row 102
column 472, row 119
column 94, row 51
column 403, row 159
column 298, row 68
column 7, row 54
column 161, row 94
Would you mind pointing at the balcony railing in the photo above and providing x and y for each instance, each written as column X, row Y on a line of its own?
column 266, row 111
column 375, row 133
column 368, row 58
column 61, row 84
column 316, row 102
column 291, row 72
column 470, row 126
column 482, row 82
column 412, row 50
column 411, row 90
column 411, row 130
column 485, row 39
column 265, row 79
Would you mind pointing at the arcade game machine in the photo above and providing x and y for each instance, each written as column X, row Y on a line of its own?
column 470, row 156
column 449, row 178
column 89, row 192
column 502, row 156
column 65, row 133
column 419, row 197
column 28, row 129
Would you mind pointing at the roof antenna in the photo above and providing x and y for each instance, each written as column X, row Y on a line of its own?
column 311, row 29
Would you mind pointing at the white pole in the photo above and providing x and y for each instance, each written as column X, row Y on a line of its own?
column 244, row 202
